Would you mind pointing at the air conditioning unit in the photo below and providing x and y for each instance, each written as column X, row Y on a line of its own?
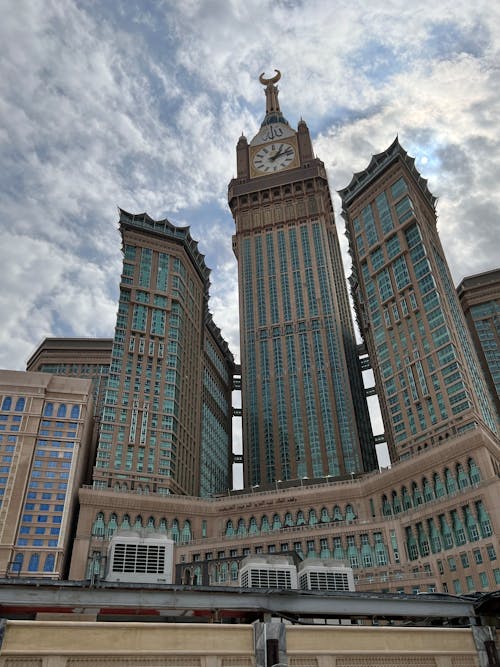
column 137, row 558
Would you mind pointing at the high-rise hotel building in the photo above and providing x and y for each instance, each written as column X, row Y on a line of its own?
column 166, row 422
column 426, row 369
column 429, row 522
column 45, row 434
column 303, row 403
column 480, row 300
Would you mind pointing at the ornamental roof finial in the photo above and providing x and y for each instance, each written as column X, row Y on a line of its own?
column 272, row 104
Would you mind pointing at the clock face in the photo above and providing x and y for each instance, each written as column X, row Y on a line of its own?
column 273, row 157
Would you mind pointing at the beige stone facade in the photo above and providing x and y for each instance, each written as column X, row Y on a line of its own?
column 429, row 523
column 65, row 644
column 45, row 433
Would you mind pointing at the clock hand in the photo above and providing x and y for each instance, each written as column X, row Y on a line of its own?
column 277, row 155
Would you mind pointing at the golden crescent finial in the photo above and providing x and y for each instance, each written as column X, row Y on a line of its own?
column 274, row 79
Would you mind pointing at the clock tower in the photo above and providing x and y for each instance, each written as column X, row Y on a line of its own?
column 303, row 403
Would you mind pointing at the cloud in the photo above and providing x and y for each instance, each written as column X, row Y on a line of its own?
column 141, row 105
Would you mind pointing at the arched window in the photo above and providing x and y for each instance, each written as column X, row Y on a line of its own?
column 20, row 403
column 112, row 526
column 50, row 562
column 174, row 531
column 405, row 498
column 439, row 489
column 300, row 518
column 7, row 403
column 386, row 506
column 163, row 525
column 229, row 528
column 75, row 412
column 242, row 529
column 416, row 494
column 197, row 576
column 449, row 480
column 435, row 537
column 474, row 472
column 264, row 524
column 33, row 564
column 411, row 544
column 313, row 520
column 138, row 522
column 151, row 523
column 288, row 520
column 49, row 410
column 484, row 519
column 253, row 529
column 61, row 410
column 187, row 577
column 337, row 514
column 396, row 503
column 126, row 522
column 223, row 572
column 186, row 532
column 428, row 492
column 234, row 571
column 98, row 527
column 325, row 517
column 17, row 565
column 276, row 522
column 462, row 477
column 350, row 515
column 445, row 532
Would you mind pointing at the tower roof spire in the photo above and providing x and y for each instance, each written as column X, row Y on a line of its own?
column 273, row 113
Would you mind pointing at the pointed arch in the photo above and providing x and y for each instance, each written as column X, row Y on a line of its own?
column 186, row 532
column 17, row 565
column 98, row 526
column 20, row 403
column 34, row 562
column 49, row 564
column 7, row 403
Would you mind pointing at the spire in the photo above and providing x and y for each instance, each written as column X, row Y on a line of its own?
column 273, row 113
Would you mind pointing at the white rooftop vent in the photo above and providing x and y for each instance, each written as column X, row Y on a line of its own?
column 138, row 559
column 268, row 572
column 325, row 575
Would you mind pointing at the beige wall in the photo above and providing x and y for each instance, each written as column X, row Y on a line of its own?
column 51, row 644
column 405, row 574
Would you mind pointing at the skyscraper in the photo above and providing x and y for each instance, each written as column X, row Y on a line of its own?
column 45, row 434
column 303, row 402
column 426, row 369
column 480, row 300
column 168, row 399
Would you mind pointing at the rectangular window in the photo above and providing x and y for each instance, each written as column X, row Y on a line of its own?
column 398, row 188
column 404, row 209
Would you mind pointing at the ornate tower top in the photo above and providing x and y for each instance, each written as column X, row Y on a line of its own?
column 273, row 113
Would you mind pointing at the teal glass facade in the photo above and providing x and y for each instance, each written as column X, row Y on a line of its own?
column 303, row 402
column 166, row 409
column 427, row 374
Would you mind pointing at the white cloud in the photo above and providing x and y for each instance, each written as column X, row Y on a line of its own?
column 106, row 106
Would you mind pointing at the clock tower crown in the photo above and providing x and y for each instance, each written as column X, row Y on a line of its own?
column 277, row 147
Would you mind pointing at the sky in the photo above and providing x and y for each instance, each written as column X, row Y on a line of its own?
column 139, row 105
